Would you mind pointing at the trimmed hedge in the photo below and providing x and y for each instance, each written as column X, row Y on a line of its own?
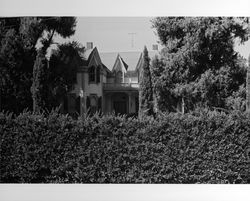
column 209, row 147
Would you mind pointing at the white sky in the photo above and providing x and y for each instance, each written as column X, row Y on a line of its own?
column 111, row 34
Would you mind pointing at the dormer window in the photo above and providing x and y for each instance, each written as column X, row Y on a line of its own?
column 91, row 74
column 94, row 74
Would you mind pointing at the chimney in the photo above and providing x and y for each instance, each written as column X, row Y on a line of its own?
column 155, row 47
column 89, row 45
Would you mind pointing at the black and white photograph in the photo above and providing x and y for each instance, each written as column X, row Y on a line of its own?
column 113, row 100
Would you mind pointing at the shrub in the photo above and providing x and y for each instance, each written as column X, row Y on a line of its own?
column 205, row 147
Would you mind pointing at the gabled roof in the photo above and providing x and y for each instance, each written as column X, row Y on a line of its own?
column 106, row 68
column 119, row 64
column 88, row 54
column 131, row 59
column 124, row 64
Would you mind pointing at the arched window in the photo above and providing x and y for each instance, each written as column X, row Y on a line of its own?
column 91, row 72
column 119, row 77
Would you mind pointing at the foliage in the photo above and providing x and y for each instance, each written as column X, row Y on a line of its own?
column 17, row 55
column 40, row 86
column 19, row 38
column 202, row 147
column 62, row 71
column 198, row 63
column 63, row 26
column 145, row 90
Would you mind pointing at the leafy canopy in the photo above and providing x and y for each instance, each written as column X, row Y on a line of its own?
column 62, row 70
column 198, row 62
column 63, row 26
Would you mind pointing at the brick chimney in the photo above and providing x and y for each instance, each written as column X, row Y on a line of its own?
column 89, row 45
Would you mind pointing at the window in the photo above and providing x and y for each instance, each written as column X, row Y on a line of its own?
column 119, row 77
column 98, row 71
column 91, row 74
column 94, row 74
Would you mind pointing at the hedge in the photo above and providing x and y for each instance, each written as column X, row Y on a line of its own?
column 207, row 147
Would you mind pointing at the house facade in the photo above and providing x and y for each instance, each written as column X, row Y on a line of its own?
column 106, row 82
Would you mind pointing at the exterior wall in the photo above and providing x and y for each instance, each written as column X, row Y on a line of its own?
column 111, row 80
column 104, row 77
column 92, row 88
column 110, row 99
column 83, row 89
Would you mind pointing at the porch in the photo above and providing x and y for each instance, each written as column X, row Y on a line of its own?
column 126, row 102
column 120, row 86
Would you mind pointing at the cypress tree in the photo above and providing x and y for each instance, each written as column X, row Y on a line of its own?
column 145, row 90
column 39, row 87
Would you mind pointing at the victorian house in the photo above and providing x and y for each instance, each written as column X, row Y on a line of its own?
column 106, row 82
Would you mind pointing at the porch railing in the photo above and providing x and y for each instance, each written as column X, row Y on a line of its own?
column 120, row 86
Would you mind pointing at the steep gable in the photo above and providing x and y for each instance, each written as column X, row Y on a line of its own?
column 119, row 65
column 129, row 58
column 94, row 58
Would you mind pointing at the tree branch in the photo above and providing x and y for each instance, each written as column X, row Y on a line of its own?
column 47, row 43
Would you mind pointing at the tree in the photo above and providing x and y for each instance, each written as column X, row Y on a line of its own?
column 145, row 90
column 62, row 71
column 19, row 38
column 39, row 85
column 63, row 26
column 198, row 65
column 17, row 55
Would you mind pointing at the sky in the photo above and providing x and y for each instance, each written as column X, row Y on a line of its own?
column 122, row 34
column 116, row 34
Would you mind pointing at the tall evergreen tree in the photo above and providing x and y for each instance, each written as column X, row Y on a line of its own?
column 198, row 64
column 39, row 85
column 145, row 90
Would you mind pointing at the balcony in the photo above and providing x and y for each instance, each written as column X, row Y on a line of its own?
column 120, row 86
